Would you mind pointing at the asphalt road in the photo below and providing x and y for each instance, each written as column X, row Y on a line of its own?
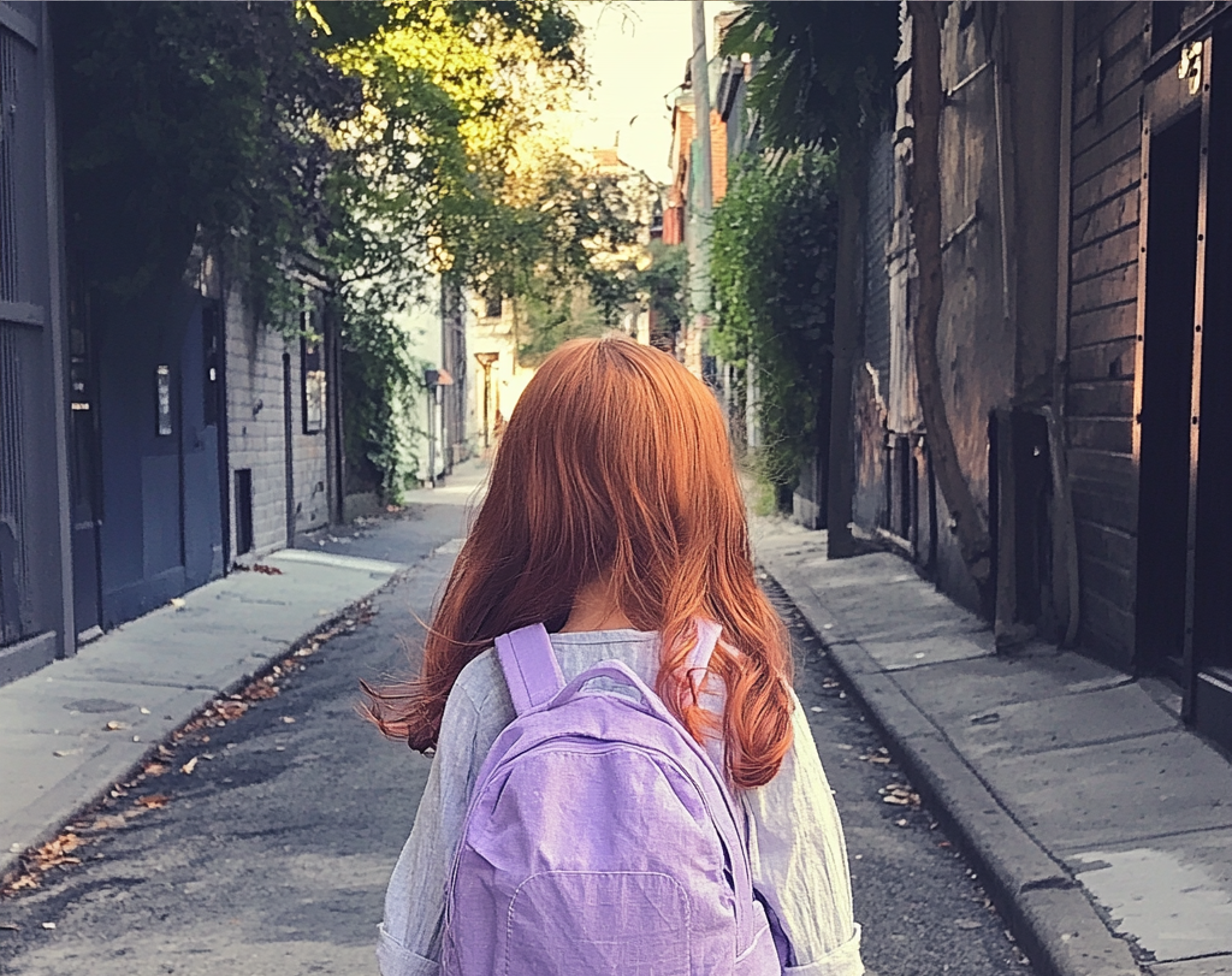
column 269, row 856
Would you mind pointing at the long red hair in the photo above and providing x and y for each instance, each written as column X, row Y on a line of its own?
column 615, row 464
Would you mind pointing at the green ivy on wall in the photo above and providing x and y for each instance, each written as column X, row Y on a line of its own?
column 773, row 260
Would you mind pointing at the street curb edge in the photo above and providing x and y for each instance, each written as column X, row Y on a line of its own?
column 123, row 768
column 1046, row 910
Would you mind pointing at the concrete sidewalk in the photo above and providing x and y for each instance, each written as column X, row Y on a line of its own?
column 1102, row 825
column 149, row 677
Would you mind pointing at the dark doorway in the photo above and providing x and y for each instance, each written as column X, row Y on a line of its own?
column 214, row 405
column 243, row 511
column 84, row 470
column 200, row 440
column 1167, row 376
column 1210, row 671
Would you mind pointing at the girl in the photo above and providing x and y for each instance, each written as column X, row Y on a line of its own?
column 614, row 516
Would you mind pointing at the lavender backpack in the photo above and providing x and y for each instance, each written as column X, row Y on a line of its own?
column 600, row 839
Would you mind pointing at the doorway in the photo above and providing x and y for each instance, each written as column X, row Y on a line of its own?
column 1210, row 669
column 1184, row 600
column 1167, row 369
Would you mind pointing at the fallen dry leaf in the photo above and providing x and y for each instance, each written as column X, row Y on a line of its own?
column 228, row 711
column 899, row 795
column 155, row 801
column 189, row 766
column 288, row 720
column 261, row 691
column 55, row 853
column 267, row 570
column 111, row 822
column 154, row 768
column 114, row 726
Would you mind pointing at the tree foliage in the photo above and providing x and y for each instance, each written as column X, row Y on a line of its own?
column 382, row 139
column 825, row 71
column 450, row 92
column 824, row 79
column 772, row 265
column 186, row 122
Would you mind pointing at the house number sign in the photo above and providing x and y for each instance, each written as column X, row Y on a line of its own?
column 1191, row 66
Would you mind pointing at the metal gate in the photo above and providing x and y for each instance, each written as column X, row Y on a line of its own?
column 33, row 587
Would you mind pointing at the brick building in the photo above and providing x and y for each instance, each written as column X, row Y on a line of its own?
column 1084, row 333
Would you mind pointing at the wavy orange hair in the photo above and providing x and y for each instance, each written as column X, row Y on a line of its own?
column 615, row 463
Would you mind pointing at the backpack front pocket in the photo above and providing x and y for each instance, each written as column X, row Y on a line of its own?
column 633, row 923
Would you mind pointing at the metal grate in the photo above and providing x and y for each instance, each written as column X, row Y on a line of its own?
column 14, row 559
column 8, row 208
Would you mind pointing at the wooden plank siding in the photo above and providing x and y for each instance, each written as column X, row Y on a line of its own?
column 1106, row 398
column 1112, row 251
column 1110, row 64
column 1110, row 216
column 1109, row 58
column 1104, row 325
column 1107, row 630
column 1107, row 289
column 1121, row 142
column 1093, row 20
column 1111, row 359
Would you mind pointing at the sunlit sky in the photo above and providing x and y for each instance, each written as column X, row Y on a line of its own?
column 636, row 53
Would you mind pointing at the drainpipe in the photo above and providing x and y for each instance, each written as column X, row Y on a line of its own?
column 703, row 202
column 1065, row 535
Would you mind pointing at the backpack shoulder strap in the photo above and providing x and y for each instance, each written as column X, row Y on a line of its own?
column 531, row 670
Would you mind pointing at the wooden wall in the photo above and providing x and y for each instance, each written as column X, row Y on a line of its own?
column 1110, row 53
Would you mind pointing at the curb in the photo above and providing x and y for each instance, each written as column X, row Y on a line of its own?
column 123, row 767
column 1045, row 908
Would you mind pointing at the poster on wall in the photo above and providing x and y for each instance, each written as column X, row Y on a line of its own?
column 162, row 377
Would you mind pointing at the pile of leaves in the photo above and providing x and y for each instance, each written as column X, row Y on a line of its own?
column 133, row 797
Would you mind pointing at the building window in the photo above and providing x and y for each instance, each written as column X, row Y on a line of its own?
column 312, row 374
column 492, row 305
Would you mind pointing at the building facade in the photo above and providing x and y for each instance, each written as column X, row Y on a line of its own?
column 36, row 554
column 148, row 439
column 1085, row 165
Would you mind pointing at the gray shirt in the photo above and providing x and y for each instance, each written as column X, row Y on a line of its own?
column 796, row 842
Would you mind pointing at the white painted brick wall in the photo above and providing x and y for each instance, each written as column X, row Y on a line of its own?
column 256, row 432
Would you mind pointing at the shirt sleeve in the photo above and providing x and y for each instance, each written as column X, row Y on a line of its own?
column 799, row 860
column 410, row 936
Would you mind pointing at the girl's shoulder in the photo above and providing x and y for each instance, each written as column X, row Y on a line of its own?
column 481, row 680
column 482, row 684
